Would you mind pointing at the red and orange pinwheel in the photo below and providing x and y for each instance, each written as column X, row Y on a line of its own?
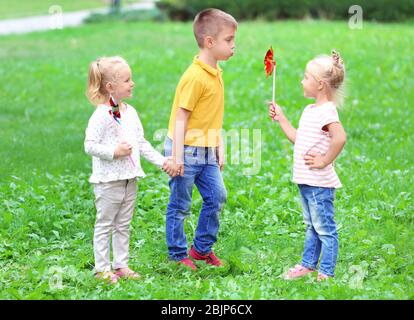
column 270, row 67
column 269, row 62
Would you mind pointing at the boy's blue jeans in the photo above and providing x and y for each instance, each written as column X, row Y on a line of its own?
column 201, row 169
column 321, row 234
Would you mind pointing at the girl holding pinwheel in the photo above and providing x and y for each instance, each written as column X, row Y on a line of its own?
column 317, row 143
column 115, row 140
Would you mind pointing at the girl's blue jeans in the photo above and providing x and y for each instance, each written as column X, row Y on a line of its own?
column 200, row 169
column 321, row 234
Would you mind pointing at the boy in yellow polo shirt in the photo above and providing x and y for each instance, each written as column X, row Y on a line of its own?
column 194, row 140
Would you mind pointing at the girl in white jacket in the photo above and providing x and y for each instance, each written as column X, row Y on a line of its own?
column 115, row 140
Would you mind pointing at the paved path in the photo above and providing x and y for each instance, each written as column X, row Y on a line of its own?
column 57, row 19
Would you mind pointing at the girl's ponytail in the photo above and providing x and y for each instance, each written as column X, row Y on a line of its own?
column 93, row 92
column 337, row 78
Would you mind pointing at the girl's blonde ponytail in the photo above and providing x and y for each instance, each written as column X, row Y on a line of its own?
column 337, row 78
column 93, row 92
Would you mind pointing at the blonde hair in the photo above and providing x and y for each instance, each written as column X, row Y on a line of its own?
column 102, row 71
column 210, row 22
column 331, row 70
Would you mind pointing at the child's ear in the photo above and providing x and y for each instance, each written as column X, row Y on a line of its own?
column 321, row 84
column 208, row 42
column 109, row 88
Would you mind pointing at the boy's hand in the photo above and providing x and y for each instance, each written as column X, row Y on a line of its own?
column 179, row 169
column 176, row 169
column 122, row 149
column 315, row 160
column 220, row 158
column 275, row 112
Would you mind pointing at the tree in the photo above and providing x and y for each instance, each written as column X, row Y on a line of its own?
column 115, row 6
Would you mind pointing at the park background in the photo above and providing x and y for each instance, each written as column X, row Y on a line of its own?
column 46, row 203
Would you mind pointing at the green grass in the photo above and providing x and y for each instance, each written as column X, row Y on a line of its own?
column 24, row 8
column 46, row 204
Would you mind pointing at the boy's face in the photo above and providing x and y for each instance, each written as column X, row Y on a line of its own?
column 222, row 46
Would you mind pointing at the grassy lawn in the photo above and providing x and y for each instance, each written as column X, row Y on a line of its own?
column 46, row 204
column 23, row 8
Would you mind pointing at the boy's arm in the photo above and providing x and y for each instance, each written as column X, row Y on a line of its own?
column 276, row 113
column 318, row 161
column 220, row 154
column 181, row 122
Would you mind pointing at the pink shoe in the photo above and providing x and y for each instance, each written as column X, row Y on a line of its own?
column 107, row 276
column 322, row 277
column 297, row 272
column 188, row 263
column 127, row 273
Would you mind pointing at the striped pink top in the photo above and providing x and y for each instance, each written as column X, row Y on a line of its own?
column 311, row 136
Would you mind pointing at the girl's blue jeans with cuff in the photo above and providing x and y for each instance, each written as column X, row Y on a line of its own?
column 321, row 239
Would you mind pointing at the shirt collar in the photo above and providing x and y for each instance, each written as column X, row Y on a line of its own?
column 313, row 105
column 208, row 68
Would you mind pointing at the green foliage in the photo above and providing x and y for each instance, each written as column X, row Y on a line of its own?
column 380, row 10
column 46, row 203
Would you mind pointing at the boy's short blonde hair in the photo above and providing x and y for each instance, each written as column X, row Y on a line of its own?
column 210, row 22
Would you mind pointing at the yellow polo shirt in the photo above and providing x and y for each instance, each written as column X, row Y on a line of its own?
column 200, row 91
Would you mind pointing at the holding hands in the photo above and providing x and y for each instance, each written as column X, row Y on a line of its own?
column 173, row 169
column 124, row 149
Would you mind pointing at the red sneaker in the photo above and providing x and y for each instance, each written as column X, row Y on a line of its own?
column 188, row 263
column 208, row 258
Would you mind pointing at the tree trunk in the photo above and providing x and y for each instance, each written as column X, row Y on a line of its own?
column 115, row 6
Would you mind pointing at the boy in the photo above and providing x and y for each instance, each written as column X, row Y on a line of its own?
column 194, row 140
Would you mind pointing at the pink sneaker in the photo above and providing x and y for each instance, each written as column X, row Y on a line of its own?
column 107, row 276
column 322, row 277
column 297, row 272
column 188, row 263
column 127, row 273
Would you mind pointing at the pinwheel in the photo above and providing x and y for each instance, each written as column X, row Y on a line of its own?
column 270, row 67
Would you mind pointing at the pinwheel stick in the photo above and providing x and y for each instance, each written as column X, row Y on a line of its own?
column 274, row 83
column 274, row 87
column 132, row 161
column 119, row 127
